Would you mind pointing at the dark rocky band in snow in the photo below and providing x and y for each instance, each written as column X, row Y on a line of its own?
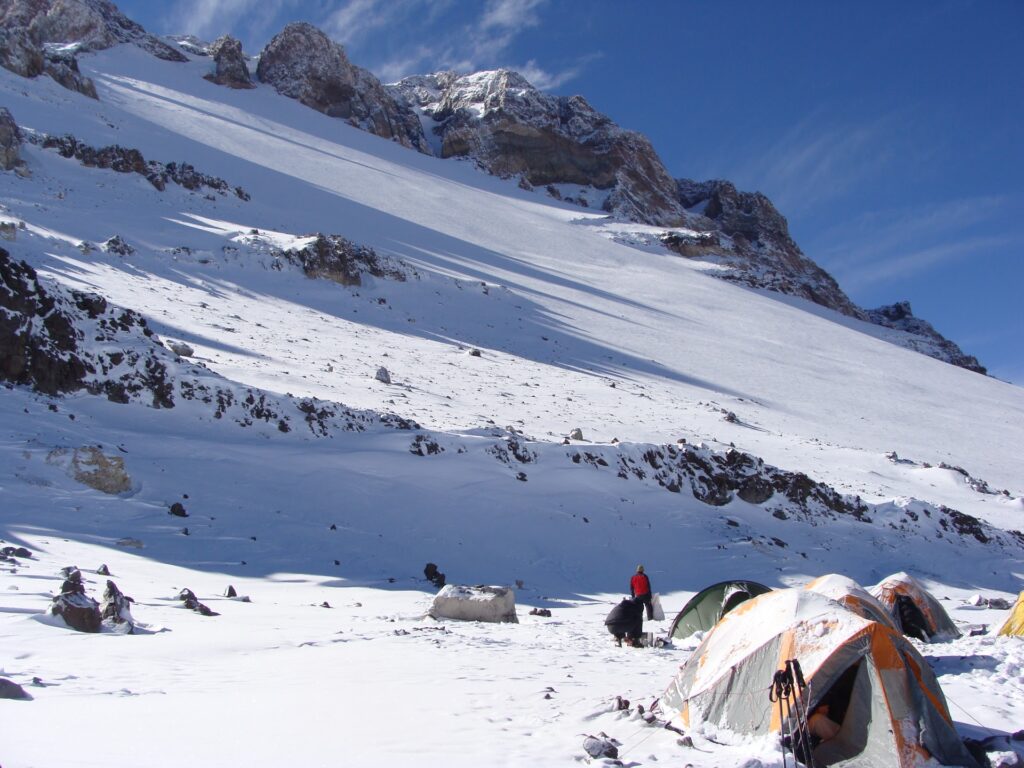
column 127, row 160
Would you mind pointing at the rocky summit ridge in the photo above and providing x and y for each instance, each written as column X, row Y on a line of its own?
column 503, row 124
column 511, row 129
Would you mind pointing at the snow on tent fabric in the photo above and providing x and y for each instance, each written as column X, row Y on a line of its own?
column 853, row 596
column 914, row 609
column 880, row 690
column 1014, row 625
column 704, row 609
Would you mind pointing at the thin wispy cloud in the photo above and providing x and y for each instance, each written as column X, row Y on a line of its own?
column 358, row 18
column 211, row 18
column 915, row 262
column 885, row 246
column 510, row 14
column 820, row 160
column 396, row 38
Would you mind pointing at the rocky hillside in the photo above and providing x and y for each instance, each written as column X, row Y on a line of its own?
column 511, row 129
column 42, row 37
column 501, row 122
column 57, row 341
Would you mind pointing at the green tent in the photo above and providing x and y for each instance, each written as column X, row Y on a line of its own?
column 709, row 605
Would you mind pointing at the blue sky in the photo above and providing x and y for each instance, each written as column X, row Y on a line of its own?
column 889, row 134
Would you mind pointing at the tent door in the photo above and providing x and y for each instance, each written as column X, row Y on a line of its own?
column 912, row 621
column 849, row 706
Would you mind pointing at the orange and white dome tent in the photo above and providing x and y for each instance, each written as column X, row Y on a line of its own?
column 884, row 697
column 916, row 612
column 1014, row 625
column 849, row 593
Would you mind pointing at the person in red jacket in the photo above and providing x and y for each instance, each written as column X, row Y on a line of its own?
column 640, row 588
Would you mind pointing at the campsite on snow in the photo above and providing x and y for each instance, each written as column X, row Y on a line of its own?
column 336, row 423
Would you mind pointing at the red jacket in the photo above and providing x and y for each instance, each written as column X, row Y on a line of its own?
column 640, row 585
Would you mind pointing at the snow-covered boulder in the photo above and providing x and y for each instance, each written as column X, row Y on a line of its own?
column 78, row 610
column 479, row 603
column 115, row 610
column 305, row 64
column 179, row 348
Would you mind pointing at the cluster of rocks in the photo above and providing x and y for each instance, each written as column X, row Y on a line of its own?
column 84, row 614
column 188, row 597
column 12, row 555
column 42, row 37
column 336, row 258
column 303, row 63
column 128, row 160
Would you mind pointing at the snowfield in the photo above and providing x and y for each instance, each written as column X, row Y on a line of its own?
column 519, row 319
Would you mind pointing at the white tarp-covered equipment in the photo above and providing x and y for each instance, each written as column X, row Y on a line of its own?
column 479, row 603
column 880, row 691
column 703, row 610
column 914, row 609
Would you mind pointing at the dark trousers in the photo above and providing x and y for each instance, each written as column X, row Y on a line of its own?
column 646, row 600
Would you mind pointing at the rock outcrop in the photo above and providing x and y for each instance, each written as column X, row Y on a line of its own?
column 743, row 232
column 336, row 258
column 756, row 246
column 303, row 63
column 925, row 338
column 511, row 129
column 43, row 36
column 10, row 142
column 230, row 67
column 90, row 466
column 38, row 339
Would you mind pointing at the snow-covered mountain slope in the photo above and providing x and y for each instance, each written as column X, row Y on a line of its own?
column 505, row 321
